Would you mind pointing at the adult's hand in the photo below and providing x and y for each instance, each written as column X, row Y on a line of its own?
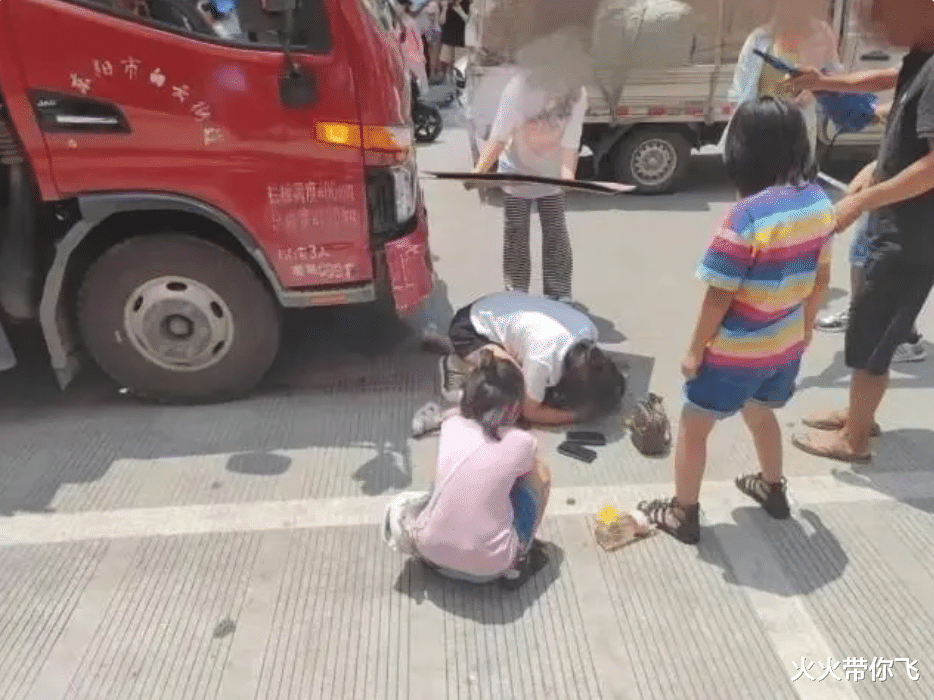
column 804, row 98
column 805, row 79
column 882, row 112
column 862, row 180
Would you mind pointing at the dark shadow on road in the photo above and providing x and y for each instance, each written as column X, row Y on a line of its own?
column 706, row 184
column 259, row 463
column 606, row 329
column 908, row 375
column 811, row 556
column 834, row 294
column 389, row 469
column 896, row 455
column 487, row 604
column 345, row 377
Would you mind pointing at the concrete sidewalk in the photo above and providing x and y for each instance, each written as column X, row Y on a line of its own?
column 299, row 599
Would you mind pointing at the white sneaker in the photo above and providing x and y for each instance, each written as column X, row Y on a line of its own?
column 451, row 379
column 833, row 323
column 906, row 352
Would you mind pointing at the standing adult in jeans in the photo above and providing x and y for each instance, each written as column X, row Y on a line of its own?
column 537, row 131
column 898, row 195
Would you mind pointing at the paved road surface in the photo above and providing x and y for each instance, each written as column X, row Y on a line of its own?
column 232, row 552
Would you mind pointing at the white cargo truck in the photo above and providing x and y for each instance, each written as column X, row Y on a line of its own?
column 643, row 130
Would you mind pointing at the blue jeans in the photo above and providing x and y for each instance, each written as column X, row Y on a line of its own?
column 859, row 246
column 721, row 393
column 525, row 511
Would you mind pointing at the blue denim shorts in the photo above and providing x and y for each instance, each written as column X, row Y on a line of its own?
column 721, row 393
column 859, row 247
column 525, row 508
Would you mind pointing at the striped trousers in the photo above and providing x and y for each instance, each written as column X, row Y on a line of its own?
column 557, row 262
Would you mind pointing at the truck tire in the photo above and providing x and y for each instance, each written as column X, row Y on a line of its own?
column 656, row 161
column 177, row 319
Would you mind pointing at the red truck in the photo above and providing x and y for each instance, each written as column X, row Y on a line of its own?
column 174, row 173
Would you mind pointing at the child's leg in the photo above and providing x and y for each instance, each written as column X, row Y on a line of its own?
column 712, row 395
column 557, row 257
column 767, row 435
column 680, row 516
column 768, row 486
column 517, row 258
column 691, row 455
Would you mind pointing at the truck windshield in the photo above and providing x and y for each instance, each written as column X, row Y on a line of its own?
column 383, row 13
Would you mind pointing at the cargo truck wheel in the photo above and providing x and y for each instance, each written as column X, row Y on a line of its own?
column 654, row 160
column 178, row 319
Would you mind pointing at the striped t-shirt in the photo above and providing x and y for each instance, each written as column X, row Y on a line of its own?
column 767, row 252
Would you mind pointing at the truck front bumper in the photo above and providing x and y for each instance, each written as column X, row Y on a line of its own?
column 409, row 268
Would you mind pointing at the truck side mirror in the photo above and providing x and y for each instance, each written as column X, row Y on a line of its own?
column 297, row 85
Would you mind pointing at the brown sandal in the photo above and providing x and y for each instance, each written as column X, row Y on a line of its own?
column 834, row 421
column 681, row 522
column 829, row 450
column 772, row 497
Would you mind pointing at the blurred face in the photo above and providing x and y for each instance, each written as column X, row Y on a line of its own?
column 794, row 12
column 903, row 23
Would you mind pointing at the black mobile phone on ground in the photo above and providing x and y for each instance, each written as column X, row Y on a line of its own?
column 587, row 437
column 578, row 452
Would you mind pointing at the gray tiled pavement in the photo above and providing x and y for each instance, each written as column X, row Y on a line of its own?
column 232, row 552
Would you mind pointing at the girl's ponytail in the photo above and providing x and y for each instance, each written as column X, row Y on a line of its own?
column 492, row 394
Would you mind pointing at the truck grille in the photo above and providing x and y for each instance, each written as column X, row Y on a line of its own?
column 382, row 207
column 10, row 152
column 381, row 203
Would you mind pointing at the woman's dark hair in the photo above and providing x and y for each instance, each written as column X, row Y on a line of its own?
column 767, row 145
column 492, row 392
column 590, row 378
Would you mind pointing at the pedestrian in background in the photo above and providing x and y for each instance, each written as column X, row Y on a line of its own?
column 796, row 36
column 537, row 131
column 453, row 34
column 429, row 16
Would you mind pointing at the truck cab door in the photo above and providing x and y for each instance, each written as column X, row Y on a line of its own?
column 175, row 98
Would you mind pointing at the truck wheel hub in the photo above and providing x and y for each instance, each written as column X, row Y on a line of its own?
column 179, row 327
column 179, row 324
column 653, row 162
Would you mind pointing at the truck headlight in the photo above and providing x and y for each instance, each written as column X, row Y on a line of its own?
column 405, row 187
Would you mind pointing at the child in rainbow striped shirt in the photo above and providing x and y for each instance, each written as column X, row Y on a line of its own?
column 766, row 271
